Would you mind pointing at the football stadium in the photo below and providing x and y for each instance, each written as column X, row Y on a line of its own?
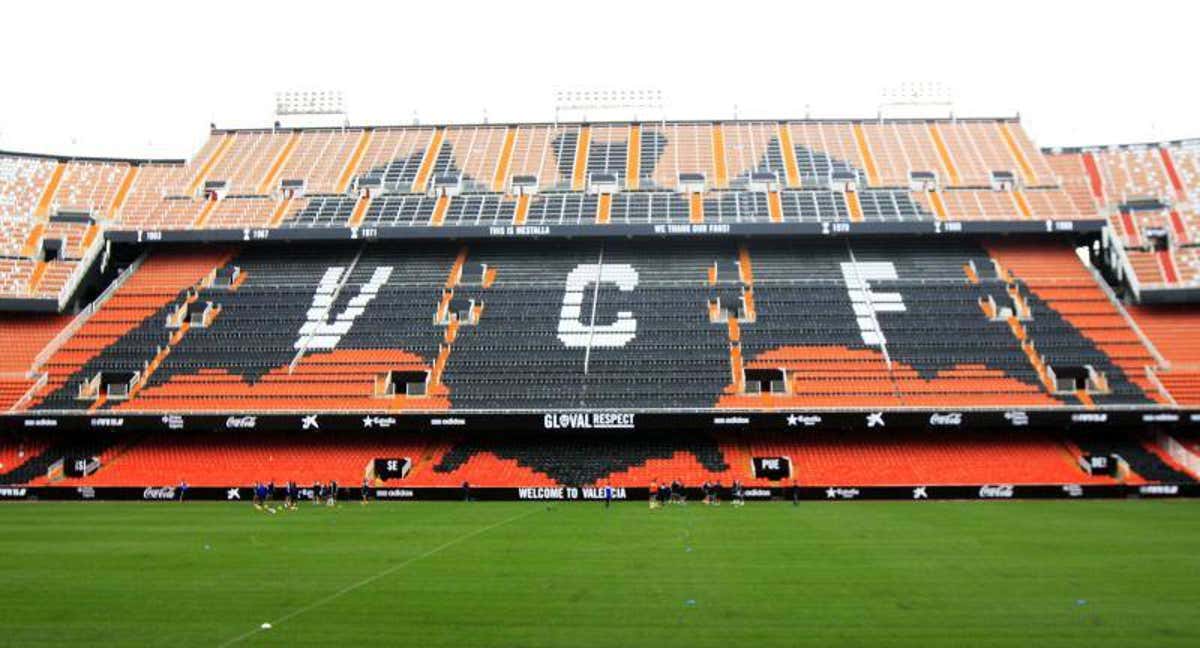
column 669, row 382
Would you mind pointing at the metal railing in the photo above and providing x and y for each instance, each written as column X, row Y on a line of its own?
column 80, row 319
column 33, row 389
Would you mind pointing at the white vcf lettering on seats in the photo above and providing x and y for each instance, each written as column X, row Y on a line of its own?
column 576, row 332
column 867, row 303
column 320, row 333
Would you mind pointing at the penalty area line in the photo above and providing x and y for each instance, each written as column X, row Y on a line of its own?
column 383, row 574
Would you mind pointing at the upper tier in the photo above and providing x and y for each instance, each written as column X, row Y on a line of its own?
column 1150, row 196
column 826, row 177
column 689, row 173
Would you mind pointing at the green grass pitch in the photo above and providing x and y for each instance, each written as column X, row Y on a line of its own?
column 1069, row 573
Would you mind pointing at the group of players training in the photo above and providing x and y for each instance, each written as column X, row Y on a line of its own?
column 663, row 493
column 320, row 493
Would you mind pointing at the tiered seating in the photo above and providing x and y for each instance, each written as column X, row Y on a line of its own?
column 929, row 343
column 242, row 211
column 22, row 278
column 1143, row 188
column 24, row 337
column 931, row 458
column 223, row 458
column 1055, row 204
column 489, row 209
column 319, row 158
column 126, row 331
column 753, row 147
column 980, row 205
column 43, row 450
column 400, row 210
column 90, row 186
column 394, row 154
column 475, row 151
column 897, row 458
column 824, row 147
column 1187, row 264
column 960, row 153
column 801, row 155
column 16, row 451
column 14, row 234
column 1186, row 159
column 156, row 200
column 1072, row 176
column 1074, row 321
column 77, row 236
column 28, row 190
column 319, row 211
column 899, row 148
column 515, row 358
column 55, row 277
column 190, row 176
column 557, row 171
column 1146, row 459
column 608, row 150
column 630, row 208
column 689, row 149
column 1175, row 333
column 648, row 207
column 15, row 275
column 1133, row 173
column 1173, row 330
column 254, row 355
column 580, row 461
column 940, row 348
column 23, row 180
column 248, row 159
column 533, row 154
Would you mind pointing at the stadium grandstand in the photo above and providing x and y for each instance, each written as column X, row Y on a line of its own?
column 889, row 303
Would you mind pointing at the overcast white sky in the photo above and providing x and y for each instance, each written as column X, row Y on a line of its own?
column 145, row 79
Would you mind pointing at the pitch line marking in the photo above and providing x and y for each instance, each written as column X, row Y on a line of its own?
column 371, row 579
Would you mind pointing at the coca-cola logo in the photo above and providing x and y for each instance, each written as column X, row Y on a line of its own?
column 950, row 418
column 999, row 491
column 241, row 422
column 159, row 493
